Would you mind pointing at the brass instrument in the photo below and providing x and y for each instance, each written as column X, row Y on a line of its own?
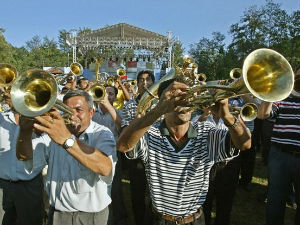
column 97, row 90
column 35, row 93
column 8, row 74
column 76, row 70
column 266, row 74
column 248, row 112
column 121, row 72
column 132, row 82
column 235, row 73
column 151, row 93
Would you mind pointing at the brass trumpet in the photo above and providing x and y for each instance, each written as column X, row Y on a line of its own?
column 76, row 70
column 97, row 90
column 35, row 93
column 248, row 112
column 266, row 74
column 8, row 74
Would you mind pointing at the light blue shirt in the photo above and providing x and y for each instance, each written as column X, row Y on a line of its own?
column 106, row 120
column 10, row 167
column 71, row 186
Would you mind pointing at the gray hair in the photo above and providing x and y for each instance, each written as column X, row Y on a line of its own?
column 74, row 93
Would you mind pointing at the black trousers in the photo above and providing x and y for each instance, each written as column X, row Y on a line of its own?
column 138, row 188
column 118, row 214
column 22, row 202
column 223, row 188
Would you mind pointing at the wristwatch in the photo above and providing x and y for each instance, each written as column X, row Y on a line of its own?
column 69, row 142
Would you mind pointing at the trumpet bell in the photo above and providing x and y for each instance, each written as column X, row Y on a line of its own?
column 235, row 73
column 268, row 75
column 249, row 112
column 76, row 69
column 8, row 74
column 34, row 93
column 97, row 91
column 121, row 72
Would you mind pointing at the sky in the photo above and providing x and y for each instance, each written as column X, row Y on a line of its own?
column 189, row 20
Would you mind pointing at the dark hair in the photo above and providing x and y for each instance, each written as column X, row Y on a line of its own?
column 115, row 89
column 150, row 73
column 74, row 93
column 81, row 79
column 163, row 86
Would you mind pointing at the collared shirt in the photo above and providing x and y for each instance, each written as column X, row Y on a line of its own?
column 10, row 167
column 106, row 120
column 129, row 111
column 179, row 177
column 71, row 186
column 286, row 129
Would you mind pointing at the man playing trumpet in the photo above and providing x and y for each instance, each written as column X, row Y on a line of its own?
column 178, row 153
column 81, row 158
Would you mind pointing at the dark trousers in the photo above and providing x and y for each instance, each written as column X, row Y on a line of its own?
column 22, row 202
column 138, row 185
column 283, row 169
column 118, row 215
column 247, row 162
column 223, row 188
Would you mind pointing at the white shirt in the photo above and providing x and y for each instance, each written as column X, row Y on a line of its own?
column 71, row 186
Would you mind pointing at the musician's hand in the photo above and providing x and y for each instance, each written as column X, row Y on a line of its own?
column 172, row 97
column 221, row 109
column 54, row 125
column 104, row 102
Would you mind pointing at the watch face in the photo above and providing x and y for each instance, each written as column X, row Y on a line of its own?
column 70, row 142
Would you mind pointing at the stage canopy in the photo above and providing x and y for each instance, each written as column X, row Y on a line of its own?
column 122, row 36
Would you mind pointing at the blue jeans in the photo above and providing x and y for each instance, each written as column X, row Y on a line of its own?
column 283, row 169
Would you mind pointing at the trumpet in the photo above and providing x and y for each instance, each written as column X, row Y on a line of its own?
column 35, row 92
column 76, row 70
column 266, row 74
column 97, row 90
column 8, row 74
column 248, row 112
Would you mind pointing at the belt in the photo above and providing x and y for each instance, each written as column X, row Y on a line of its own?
column 19, row 181
column 181, row 219
column 291, row 152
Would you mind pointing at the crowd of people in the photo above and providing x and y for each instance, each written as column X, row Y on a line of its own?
column 177, row 158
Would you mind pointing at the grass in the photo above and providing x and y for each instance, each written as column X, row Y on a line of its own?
column 248, row 207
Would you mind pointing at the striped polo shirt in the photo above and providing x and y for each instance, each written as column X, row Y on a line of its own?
column 129, row 111
column 286, row 130
column 179, row 177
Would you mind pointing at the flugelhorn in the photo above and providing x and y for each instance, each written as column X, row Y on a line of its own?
column 34, row 93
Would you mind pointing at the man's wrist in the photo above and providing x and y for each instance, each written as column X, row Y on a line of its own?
column 231, row 122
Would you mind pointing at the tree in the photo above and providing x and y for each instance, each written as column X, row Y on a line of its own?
column 209, row 55
column 177, row 53
column 6, row 49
